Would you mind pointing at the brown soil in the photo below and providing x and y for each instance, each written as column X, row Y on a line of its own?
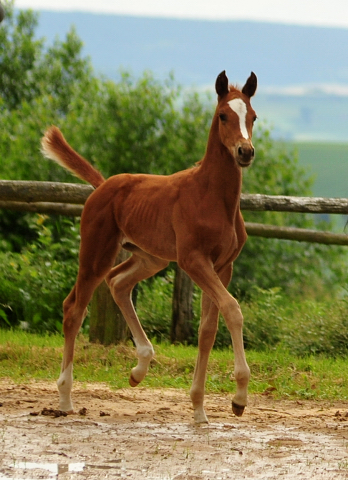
column 149, row 434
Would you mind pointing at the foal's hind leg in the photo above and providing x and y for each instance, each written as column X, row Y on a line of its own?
column 121, row 281
column 97, row 255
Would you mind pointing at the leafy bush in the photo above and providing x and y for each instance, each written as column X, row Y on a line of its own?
column 263, row 319
column 35, row 281
column 136, row 125
column 317, row 328
column 303, row 326
column 154, row 306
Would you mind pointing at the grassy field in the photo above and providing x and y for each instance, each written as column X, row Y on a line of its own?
column 26, row 357
column 328, row 164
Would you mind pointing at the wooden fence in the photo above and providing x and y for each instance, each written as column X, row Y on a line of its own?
column 68, row 199
column 106, row 322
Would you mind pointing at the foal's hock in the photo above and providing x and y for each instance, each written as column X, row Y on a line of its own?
column 191, row 217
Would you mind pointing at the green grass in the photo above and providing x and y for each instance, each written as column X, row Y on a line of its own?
column 25, row 357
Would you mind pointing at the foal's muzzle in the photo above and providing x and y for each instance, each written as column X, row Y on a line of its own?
column 245, row 153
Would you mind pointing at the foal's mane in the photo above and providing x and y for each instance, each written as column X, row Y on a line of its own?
column 234, row 88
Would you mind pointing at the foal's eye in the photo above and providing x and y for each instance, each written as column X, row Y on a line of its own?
column 223, row 117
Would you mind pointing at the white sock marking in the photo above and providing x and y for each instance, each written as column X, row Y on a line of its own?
column 64, row 384
column 239, row 107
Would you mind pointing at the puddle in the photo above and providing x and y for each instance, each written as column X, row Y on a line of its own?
column 54, row 470
column 150, row 435
column 179, row 451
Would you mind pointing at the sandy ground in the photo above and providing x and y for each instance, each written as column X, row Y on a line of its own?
column 149, row 434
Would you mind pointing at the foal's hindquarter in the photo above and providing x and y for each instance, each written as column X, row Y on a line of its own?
column 192, row 217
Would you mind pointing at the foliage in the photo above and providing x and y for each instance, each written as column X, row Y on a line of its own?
column 154, row 305
column 263, row 319
column 18, row 53
column 135, row 125
column 38, row 85
column 303, row 325
column 321, row 328
column 139, row 126
column 35, row 281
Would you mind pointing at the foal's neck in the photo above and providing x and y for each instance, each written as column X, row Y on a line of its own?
column 220, row 168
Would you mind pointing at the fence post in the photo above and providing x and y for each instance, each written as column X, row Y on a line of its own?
column 107, row 324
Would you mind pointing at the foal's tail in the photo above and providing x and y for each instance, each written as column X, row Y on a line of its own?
column 55, row 147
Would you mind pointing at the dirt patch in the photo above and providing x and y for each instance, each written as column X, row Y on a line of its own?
column 149, row 434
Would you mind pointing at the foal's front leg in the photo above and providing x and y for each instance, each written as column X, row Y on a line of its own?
column 206, row 338
column 213, row 284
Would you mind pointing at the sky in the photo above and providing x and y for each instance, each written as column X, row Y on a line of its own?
column 303, row 12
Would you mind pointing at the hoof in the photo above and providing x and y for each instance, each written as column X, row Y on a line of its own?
column 237, row 409
column 201, row 421
column 66, row 411
column 200, row 418
column 133, row 382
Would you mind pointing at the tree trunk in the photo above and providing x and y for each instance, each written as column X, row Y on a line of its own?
column 107, row 324
column 182, row 315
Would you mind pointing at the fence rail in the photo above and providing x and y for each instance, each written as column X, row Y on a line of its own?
column 30, row 191
column 68, row 199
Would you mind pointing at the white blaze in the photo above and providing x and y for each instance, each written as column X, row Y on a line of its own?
column 239, row 107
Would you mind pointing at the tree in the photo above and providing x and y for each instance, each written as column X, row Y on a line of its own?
column 18, row 54
column 135, row 125
column 107, row 324
column 182, row 316
column 139, row 125
column 37, row 86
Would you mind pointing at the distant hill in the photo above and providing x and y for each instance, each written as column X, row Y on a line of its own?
column 328, row 165
column 196, row 51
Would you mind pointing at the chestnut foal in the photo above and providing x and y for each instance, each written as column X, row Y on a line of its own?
column 191, row 217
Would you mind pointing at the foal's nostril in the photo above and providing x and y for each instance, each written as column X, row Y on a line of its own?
column 253, row 152
column 240, row 151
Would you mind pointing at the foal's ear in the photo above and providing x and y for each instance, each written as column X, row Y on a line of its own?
column 221, row 84
column 249, row 88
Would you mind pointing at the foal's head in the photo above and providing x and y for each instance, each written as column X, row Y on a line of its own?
column 236, row 118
